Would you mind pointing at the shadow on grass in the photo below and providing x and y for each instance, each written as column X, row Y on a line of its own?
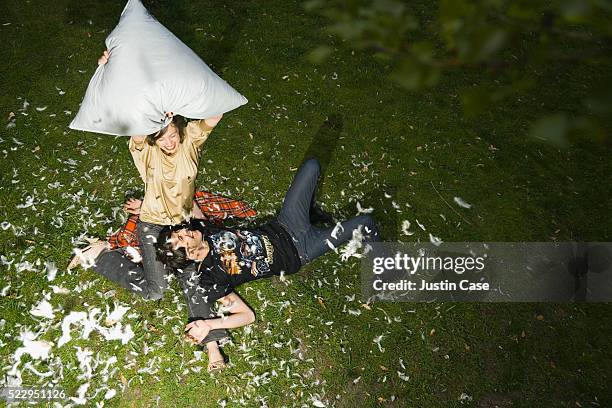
column 323, row 147
column 324, row 143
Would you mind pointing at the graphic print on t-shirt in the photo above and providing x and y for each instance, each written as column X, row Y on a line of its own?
column 240, row 250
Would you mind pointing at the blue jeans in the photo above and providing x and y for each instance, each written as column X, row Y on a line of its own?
column 311, row 242
column 149, row 281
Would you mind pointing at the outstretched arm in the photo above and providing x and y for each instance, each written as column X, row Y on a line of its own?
column 139, row 152
column 198, row 131
column 212, row 121
column 104, row 58
column 241, row 315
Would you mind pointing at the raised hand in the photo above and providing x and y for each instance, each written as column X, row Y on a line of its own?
column 104, row 58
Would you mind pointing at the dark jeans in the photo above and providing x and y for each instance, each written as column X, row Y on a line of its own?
column 154, row 271
column 311, row 242
column 147, row 282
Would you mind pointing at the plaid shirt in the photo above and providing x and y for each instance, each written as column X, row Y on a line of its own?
column 215, row 208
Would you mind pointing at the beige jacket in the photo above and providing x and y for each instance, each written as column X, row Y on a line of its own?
column 169, row 179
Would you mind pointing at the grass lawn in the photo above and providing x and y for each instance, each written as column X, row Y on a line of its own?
column 314, row 341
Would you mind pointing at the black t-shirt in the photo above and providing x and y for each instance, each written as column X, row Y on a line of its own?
column 237, row 256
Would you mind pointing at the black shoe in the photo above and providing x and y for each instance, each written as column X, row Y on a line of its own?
column 319, row 216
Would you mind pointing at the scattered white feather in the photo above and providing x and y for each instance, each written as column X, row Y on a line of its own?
column 43, row 309
column 351, row 249
column 117, row 333
column 110, row 394
column 316, row 402
column 60, row 290
column 116, row 315
column 337, row 229
column 421, row 226
column 463, row 398
column 462, row 203
column 37, row 349
column 133, row 254
column 361, row 210
column 51, row 270
column 84, row 357
column 435, row 240
column 28, row 203
column 377, row 341
column 80, row 398
column 405, row 228
column 72, row 318
column 29, row 366
column 90, row 323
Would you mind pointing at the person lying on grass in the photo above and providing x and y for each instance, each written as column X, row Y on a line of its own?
column 118, row 260
column 227, row 257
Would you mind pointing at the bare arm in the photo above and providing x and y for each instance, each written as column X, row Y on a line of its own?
column 199, row 130
column 139, row 152
column 241, row 315
column 212, row 121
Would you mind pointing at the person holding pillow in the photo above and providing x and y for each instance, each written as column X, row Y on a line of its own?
column 167, row 162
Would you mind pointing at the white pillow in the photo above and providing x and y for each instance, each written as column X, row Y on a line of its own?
column 150, row 72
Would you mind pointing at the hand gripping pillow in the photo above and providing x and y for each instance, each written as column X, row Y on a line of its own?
column 149, row 72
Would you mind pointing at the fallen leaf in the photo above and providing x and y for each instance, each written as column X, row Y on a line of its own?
column 321, row 302
column 152, row 328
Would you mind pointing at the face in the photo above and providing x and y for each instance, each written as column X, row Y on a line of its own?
column 170, row 141
column 190, row 240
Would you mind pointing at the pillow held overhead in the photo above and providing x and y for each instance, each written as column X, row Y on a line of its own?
column 149, row 72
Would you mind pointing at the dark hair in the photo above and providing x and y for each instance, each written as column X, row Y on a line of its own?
column 174, row 258
column 177, row 121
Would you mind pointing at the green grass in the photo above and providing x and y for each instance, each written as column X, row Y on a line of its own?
column 305, row 344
